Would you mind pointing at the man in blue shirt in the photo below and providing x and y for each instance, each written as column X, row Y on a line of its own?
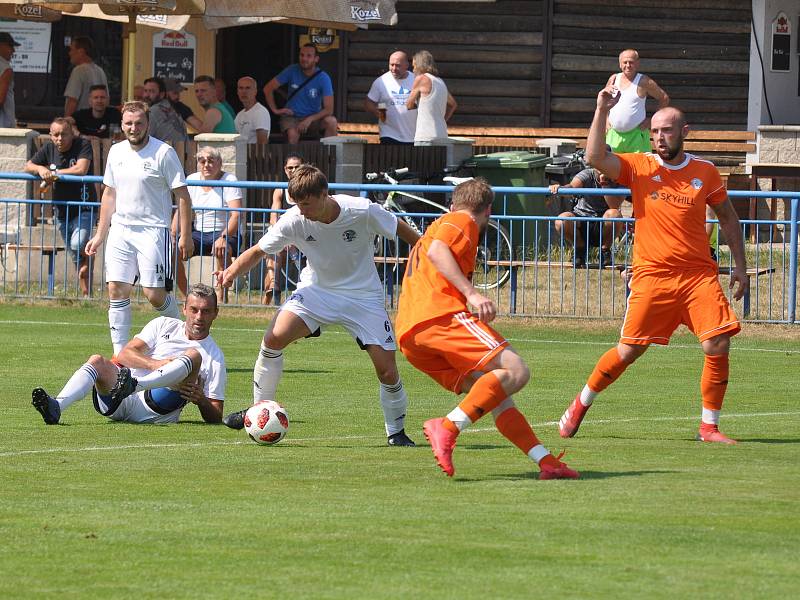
column 309, row 107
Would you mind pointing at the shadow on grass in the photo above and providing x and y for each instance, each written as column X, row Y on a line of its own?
column 768, row 440
column 534, row 474
column 250, row 370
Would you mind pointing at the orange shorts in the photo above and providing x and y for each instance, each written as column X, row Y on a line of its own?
column 659, row 303
column 451, row 347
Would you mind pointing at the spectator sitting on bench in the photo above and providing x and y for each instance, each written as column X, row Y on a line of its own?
column 68, row 154
column 100, row 119
column 215, row 232
column 580, row 234
column 309, row 106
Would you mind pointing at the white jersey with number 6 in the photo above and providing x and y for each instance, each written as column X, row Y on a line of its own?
column 340, row 254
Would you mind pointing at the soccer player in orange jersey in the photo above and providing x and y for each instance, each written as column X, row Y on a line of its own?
column 674, row 279
column 440, row 337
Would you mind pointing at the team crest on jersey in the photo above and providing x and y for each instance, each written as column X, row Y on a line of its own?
column 349, row 235
column 697, row 183
column 149, row 166
column 297, row 297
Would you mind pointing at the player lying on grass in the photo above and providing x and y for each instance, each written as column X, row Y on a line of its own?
column 458, row 349
column 674, row 279
column 339, row 286
column 169, row 364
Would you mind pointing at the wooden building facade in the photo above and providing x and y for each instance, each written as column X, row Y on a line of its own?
column 540, row 63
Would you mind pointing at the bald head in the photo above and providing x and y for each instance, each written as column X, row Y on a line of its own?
column 671, row 115
column 629, row 63
column 398, row 64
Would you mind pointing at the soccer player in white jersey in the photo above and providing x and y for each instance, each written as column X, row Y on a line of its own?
column 169, row 364
column 339, row 285
column 141, row 175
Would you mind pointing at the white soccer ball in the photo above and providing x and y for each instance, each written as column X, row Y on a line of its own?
column 266, row 422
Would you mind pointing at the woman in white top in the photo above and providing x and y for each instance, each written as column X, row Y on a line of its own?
column 430, row 97
column 215, row 231
column 273, row 281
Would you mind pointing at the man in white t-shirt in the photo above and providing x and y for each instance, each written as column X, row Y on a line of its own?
column 338, row 286
column 167, row 365
column 141, row 175
column 387, row 98
column 253, row 121
column 215, row 230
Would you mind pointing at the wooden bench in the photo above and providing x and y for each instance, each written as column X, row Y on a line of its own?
column 47, row 250
column 726, row 149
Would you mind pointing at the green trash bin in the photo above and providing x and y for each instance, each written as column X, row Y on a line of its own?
column 518, row 168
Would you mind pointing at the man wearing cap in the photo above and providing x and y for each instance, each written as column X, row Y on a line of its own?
column 7, row 110
column 99, row 119
column 165, row 123
column 174, row 89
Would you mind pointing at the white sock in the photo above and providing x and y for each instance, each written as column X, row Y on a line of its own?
column 170, row 374
column 78, row 386
column 267, row 373
column 170, row 308
column 459, row 418
column 538, row 452
column 119, row 322
column 394, row 402
column 710, row 417
column 587, row 396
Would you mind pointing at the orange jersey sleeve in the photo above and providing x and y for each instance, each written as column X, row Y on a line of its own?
column 426, row 293
column 669, row 205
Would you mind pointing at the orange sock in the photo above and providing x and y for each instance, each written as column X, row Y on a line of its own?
column 606, row 371
column 714, row 381
column 485, row 395
column 516, row 429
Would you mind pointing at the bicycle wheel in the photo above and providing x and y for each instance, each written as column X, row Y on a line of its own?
column 493, row 262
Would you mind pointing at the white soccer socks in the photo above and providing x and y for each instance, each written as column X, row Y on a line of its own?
column 171, row 374
column 170, row 308
column 78, row 386
column 119, row 322
column 267, row 373
column 394, row 402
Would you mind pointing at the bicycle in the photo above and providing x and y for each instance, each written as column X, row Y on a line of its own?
column 495, row 254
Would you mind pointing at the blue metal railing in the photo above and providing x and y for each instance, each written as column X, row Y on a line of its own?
column 541, row 279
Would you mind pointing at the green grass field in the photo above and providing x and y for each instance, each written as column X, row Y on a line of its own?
column 96, row 509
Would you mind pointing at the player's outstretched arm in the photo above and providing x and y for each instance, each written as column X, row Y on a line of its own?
column 597, row 155
column 729, row 223
column 243, row 264
column 444, row 261
column 405, row 233
column 108, row 204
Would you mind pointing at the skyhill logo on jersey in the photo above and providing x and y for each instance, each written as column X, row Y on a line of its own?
column 349, row 235
column 364, row 11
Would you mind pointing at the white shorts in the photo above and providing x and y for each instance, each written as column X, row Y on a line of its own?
column 134, row 409
column 134, row 251
column 366, row 320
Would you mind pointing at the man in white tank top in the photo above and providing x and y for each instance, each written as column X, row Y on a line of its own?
column 430, row 96
column 628, row 126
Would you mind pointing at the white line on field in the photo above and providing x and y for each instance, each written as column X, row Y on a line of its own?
column 510, row 339
column 368, row 437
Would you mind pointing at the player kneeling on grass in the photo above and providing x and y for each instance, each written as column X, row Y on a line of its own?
column 338, row 286
column 440, row 337
column 674, row 279
column 169, row 364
